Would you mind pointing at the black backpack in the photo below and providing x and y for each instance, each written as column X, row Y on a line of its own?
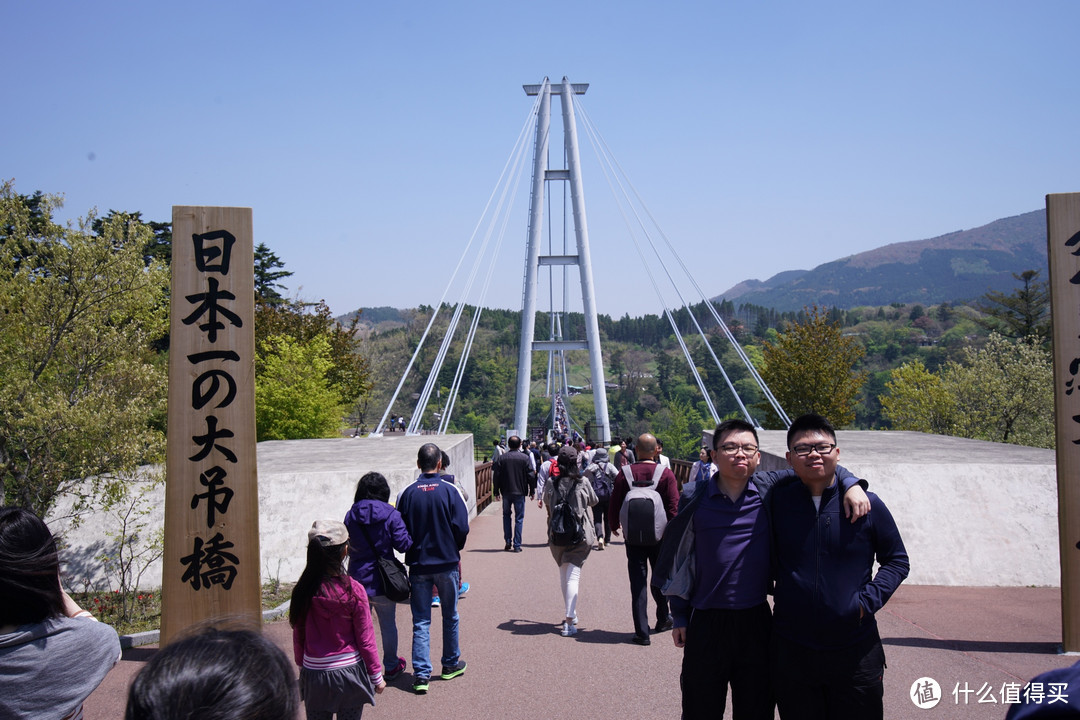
column 601, row 482
column 566, row 528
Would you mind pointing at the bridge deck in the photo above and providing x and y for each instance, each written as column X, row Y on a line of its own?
column 520, row 667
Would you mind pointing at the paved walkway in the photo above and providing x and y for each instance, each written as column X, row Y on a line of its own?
column 520, row 667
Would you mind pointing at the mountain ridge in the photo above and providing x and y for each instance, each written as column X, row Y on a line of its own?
column 954, row 267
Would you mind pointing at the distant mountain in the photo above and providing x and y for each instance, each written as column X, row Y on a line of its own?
column 956, row 267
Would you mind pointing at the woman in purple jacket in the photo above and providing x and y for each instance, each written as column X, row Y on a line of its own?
column 376, row 529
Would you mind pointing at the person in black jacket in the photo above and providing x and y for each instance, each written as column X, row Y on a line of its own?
column 438, row 524
column 827, row 657
column 512, row 478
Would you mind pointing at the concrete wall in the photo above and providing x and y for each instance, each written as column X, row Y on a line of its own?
column 970, row 512
column 300, row 481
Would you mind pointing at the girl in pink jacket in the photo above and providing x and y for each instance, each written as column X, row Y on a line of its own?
column 333, row 638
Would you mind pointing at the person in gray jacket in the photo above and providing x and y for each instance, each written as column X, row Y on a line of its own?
column 53, row 654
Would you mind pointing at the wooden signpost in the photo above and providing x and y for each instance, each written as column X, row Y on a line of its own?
column 1063, row 238
column 211, row 561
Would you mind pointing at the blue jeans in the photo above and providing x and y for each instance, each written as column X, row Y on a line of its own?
column 517, row 502
column 386, row 610
column 447, row 582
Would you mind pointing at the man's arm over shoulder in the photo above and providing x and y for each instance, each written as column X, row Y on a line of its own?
column 853, row 491
column 768, row 479
column 891, row 555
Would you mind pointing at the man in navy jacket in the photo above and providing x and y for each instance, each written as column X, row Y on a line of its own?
column 438, row 524
column 827, row 657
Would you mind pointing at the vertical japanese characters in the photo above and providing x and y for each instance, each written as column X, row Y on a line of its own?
column 211, row 560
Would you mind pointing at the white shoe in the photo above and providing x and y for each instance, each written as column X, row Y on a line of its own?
column 600, row 544
column 568, row 630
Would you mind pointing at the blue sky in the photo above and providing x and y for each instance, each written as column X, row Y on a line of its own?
column 367, row 137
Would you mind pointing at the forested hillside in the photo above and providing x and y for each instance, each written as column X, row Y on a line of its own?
column 654, row 387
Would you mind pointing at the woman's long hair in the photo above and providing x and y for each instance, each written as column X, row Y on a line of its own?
column 372, row 486
column 323, row 564
column 29, row 569
column 569, row 470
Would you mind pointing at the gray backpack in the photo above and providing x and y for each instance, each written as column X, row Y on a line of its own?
column 642, row 515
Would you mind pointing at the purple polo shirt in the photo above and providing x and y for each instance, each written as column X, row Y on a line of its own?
column 731, row 545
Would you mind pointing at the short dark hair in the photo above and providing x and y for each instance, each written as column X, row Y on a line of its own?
column 29, row 569
column 215, row 674
column 733, row 425
column 372, row 486
column 428, row 457
column 514, row 442
column 810, row 422
column 445, row 459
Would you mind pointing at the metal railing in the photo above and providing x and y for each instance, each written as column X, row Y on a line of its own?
column 483, row 486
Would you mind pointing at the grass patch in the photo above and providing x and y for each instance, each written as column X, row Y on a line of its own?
column 141, row 611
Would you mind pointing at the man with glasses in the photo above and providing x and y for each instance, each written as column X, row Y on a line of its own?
column 716, row 553
column 827, row 657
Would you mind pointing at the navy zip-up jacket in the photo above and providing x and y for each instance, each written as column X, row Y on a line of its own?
column 438, row 524
column 824, row 564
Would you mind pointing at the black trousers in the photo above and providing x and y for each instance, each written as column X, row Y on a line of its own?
column 639, row 558
column 727, row 647
column 842, row 684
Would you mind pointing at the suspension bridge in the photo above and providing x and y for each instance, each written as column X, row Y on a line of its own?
column 552, row 251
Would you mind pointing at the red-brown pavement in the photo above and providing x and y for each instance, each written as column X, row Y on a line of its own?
column 520, row 667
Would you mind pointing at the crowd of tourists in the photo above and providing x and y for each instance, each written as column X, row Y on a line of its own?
column 715, row 548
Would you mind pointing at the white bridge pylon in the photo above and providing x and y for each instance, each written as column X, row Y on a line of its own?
column 542, row 174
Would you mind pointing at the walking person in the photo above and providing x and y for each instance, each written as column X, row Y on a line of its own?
column 655, row 504
column 333, row 638
column 569, row 499
column 376, row 530
column 438, row 524
column 512, row 478
column 601, row 475
column 701, row 473
column 463, row 587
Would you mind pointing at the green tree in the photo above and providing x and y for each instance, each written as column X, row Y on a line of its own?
column 267, row 273
column 1004, row 392
column 294, row 398
column 917, row 400
column 79, row 383
column 679, row 425
column 349, row 374
column 811, row 368
column 1023, row 312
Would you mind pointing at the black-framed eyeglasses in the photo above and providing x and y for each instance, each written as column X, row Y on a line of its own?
column 733, row 448
column 820, row 448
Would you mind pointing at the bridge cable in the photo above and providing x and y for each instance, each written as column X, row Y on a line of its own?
column 435, row 311
column 590, row 127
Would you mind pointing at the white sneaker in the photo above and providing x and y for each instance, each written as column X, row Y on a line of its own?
column 568, row 630
column 600, row 544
